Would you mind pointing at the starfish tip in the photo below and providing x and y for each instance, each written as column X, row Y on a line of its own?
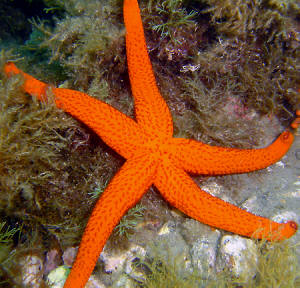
column 296, row 122
column 287, row 137
column 11, row 68
column 293, row 225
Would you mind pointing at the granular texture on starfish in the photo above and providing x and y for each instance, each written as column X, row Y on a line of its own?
column 197, row 157
column 153, row 156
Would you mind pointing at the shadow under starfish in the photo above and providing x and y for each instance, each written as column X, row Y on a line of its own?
column 153, row 156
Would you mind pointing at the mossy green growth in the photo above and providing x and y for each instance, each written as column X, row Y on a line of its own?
column 213, row 63
column 232, row 74
column 130, row 220
column 7, row 233
column 7, row 251
column 88, row 42
column 277, row 266
column 170, row 15
column 48, row 164
column 36, row 56
column 263, row 20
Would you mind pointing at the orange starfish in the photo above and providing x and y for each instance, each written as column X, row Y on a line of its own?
column 155, row 157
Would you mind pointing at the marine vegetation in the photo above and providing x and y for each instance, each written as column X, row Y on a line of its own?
column 48, row 164
column 130, row 220
column 7, row 233
column 171, row 15
column 254, row 20
column 277, row 266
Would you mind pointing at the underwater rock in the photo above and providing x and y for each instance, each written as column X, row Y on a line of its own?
column 52, row 260
column 94, row 282
column 114, row 262
column 31, row 271
column 239, row 255
column 203, row 242
column 275, row 192
column 58, row 276
column 124, row 282
column 120, row 265
column 69, row 256
column 171, row 246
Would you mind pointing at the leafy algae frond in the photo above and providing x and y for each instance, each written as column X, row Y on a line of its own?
column 7, row 233
column 171, row 15
column 130, row 220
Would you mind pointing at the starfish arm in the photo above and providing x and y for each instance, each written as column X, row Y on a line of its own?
column 182, row 192
column 197, row 157
column 122, row 193
column 31, row 85
column 151, row 110
column 116, row 129
column 119, row 131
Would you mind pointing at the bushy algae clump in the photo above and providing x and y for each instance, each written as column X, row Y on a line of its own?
column 48, row 164
column 6, row 249
column 41, row 178
column 211, row 51
column 89, row 44
column 254, row 20
column 277, row 266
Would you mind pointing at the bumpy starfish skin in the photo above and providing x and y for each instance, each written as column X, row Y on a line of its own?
column 155, row 157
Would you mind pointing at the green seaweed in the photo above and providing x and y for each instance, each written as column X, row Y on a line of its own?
column 277, row 266
column 96, row 193
column 37, row 56
column 262, row 20
column 171, row 15
column 6, row 234
column 233, row 71
column 41, row 178
column 130, row 220
column 7, row 251
column 86, row 43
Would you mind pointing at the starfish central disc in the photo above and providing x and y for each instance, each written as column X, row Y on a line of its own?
column 157, row 148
